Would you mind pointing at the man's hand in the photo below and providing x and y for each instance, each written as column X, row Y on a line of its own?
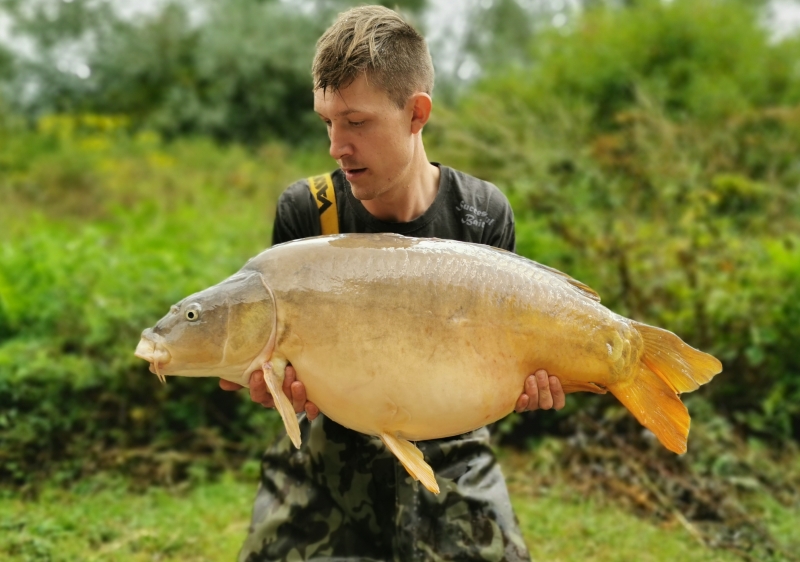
column 292, row 388
column 540, row 392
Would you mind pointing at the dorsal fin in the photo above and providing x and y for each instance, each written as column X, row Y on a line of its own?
column 582, row 287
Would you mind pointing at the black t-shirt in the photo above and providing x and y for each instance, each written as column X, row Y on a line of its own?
column 465, row 208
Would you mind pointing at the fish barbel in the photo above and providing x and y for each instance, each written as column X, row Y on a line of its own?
column 410, row 339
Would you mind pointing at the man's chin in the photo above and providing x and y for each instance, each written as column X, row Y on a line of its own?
column 363, row 191
column 362, row 194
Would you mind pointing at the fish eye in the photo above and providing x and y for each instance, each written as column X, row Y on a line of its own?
column 192, row 313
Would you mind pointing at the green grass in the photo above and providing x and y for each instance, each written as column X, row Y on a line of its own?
column 208, row 522
column 566, row 529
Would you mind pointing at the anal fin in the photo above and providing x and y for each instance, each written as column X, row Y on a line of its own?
column 654, row 403
column 412, row 460
column 273, row 376
column 580, row 386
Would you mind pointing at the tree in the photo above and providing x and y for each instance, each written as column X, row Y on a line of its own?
column 234, row 70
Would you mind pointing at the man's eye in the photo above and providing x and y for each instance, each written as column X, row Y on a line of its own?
column 356, row 123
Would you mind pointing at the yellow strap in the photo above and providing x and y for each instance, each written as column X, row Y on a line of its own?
column 322, row 189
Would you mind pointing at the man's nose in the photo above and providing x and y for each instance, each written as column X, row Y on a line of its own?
column 341, row 146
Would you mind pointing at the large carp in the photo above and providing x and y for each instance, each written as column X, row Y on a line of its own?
column 410, row 339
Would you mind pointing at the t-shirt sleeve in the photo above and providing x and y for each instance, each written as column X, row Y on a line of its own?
column 501, row 233
column 296, row 215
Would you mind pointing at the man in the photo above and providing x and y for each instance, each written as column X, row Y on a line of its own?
column 343, row 496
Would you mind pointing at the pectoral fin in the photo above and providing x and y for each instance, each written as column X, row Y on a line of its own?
column 412, row 459
column 273, row 376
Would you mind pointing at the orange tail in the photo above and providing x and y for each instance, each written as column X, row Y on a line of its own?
column 668, row 367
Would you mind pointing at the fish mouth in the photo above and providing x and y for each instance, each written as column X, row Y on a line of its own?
column 154, row 353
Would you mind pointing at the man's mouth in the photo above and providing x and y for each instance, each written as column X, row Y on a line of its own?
column 353, row 173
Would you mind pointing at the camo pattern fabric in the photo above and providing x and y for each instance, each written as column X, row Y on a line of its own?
column 344, row 496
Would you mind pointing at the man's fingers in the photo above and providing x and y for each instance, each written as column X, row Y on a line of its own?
column 558, row 393
column 543, row 383
column 294, row 390
column 522, row 403
column 228, row 385
column 298, row 396
column 258, row 390
column 289, row 376
column 311, row 411
column 541, row 392
column 532, row 392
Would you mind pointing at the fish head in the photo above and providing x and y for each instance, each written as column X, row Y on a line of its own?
column 218, row 332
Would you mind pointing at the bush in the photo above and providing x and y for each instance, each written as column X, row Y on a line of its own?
column 102, row 233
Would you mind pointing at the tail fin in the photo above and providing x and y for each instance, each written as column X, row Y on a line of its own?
column 668, row 366
column 678, row 364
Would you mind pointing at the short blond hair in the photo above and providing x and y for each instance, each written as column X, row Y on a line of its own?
column 375, row 41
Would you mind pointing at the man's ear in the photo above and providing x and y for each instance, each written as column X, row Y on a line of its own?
column 421, row 105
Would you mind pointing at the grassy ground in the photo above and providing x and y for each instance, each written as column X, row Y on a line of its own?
column 560, row 530
column 86, row 523
column 102, row 521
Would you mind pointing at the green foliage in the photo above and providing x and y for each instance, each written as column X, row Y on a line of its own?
column 242, row 72
column 102, row 233
column 238, row 70
column 705, row 60
column 652, row 153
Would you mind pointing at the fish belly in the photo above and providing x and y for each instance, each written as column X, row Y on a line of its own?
column 427, row 342
column 445, row 387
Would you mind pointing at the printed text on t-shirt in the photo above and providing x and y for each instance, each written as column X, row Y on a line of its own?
column 473, row 216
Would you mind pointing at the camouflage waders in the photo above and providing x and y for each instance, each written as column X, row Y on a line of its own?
column 344, row 496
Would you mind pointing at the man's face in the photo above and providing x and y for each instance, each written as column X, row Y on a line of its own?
column 371, row 138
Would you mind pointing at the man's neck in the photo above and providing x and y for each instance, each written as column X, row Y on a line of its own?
column 412, row 197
